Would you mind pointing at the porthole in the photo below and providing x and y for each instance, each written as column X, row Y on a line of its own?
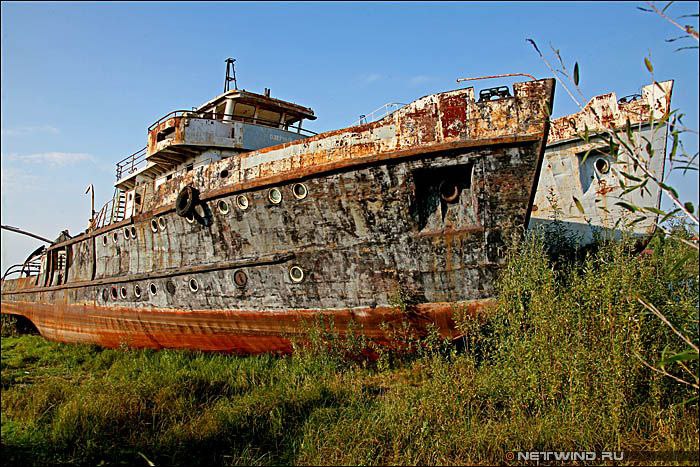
column 602, row 165
column 223, row 206
column 153, row 288
column 113, row 292
column 127, row 234
column 274, row 195
column 162, row 223
column 115, row 237
column 105, row 294
column 240, row 279
column 133, row 232
column 122, row 292
column 137, row 291
column 223, row 173
column 299, row 190
column 154, row 226
column 194, row 286
column 170, row 287
column 449, row 191
column 104, row 240
column 242, row 202
column 296, row 274
column 190, row 218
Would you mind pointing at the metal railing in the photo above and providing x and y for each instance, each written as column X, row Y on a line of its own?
column 231, row 119
column 30, row 268
column 131, row 163
column 114, row 210
column 103, row 217
column 377, row 114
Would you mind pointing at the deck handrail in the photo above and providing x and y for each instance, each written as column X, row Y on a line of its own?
column 234, row 118
column 379, row 113
column 31, row 268
column 131, row 163
column 101, row 218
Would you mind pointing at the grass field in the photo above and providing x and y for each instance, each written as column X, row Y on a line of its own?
column 557, row 366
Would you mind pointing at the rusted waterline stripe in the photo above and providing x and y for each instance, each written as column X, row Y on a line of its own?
column 248, row 331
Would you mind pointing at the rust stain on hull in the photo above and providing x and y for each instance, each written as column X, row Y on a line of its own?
column 238, row 331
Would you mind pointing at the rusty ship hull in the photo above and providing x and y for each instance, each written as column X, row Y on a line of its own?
column 579, row 166
column 418, row 205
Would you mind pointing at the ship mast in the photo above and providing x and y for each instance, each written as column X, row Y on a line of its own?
column 230, row 74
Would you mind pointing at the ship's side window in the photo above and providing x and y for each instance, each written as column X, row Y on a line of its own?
column 437, row 189
column 59, row 265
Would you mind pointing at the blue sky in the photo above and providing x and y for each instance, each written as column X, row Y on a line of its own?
column 81, row 82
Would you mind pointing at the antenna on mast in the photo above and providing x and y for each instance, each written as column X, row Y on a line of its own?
column 230, row 74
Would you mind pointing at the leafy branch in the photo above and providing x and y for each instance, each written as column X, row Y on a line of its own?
column 689, row 30
column 614, row 133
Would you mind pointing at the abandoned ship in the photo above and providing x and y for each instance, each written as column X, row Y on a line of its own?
column 235, row 227
column 578, row 166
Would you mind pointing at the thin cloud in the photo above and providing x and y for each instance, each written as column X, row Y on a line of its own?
column 56, row 159
column 29, row 130
column 368, row 78
column 13, row 179
column 419, row 79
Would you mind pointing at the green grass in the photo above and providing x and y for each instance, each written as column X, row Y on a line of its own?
column 555, row 367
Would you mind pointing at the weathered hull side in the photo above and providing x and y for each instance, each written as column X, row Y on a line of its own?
column 362, row 238
column 372, row 238
column 578, row 169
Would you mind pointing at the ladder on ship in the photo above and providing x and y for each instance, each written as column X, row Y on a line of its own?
column 119, row 206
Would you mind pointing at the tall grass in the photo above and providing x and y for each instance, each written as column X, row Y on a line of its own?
column 557, row 366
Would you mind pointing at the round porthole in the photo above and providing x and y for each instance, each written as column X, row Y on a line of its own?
column 194, row 285
column 162, row 223
column 122, row 292
column 299, row 190
column 104, row 240
column 242, row 202
column 154, row 225
column 449, row 191
column 127, row 234
column 296, row 274
column 113, row 292
column 275, row 196
column 137, row 291
column 190, row 218
column 240, row 279
column 223, row 206
column 170, row 287
column 602, row 165
column 133, row 232
column 105, row 294
column 223, row 173
column 115, row 237
column 152, row 288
